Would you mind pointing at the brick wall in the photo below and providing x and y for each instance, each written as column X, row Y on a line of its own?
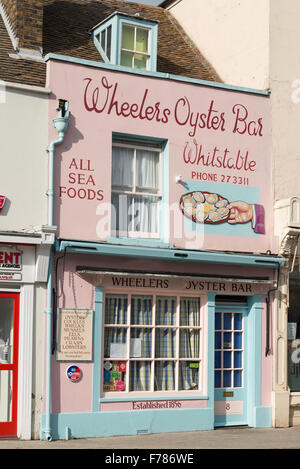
column 26, row 20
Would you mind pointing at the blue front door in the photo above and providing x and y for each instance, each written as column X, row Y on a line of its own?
column 230, row 365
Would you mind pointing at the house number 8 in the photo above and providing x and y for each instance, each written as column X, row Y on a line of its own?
column 227, row 407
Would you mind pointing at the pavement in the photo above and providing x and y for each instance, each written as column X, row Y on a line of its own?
column 220, row 438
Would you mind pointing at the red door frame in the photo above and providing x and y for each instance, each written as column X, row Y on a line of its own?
column 10, row 428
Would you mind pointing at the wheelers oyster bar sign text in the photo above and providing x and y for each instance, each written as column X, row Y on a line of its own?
column 189, row 284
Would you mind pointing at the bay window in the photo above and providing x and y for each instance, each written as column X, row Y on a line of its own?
column 152, row 343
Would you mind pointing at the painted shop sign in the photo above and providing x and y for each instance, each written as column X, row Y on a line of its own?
column 218, row 143
column 144, row 405
column 152, row 405
column 188, row 285
column 10, row 276
column 75, row 334
column 10, row 259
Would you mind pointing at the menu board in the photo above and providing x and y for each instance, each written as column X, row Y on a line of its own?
column 75, row 334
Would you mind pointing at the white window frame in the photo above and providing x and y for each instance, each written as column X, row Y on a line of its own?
column 134, row 192
column 201, row 359
column 134, row 51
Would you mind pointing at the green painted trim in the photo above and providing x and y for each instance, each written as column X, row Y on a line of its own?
column 102, row 424
column 210, row 351
column 166, row 76
column 97, row 350
column 179, row 255
column 256, row 417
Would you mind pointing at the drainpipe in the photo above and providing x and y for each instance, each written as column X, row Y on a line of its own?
column 61, row 125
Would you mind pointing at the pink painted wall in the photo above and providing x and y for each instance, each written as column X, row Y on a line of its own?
column 75, row 292
column 102, row 102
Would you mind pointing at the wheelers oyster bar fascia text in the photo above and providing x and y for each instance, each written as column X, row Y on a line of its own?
column 185, row 284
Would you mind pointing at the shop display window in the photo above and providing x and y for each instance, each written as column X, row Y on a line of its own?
column 293, row 332
column 152, row 343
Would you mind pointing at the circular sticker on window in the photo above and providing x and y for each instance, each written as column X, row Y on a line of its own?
column 73, row 373
column 107, row 366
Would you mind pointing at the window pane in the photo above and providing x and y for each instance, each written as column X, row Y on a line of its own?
column 218, row 341
column 113, row 378
column 140, row 342
column 227, row 379
column 142, row 40
column 5, row 396
column 116, row 309
column 121, row 215
column 126, row 59
column 227, row 360
column 127, row 37
column 164, row 376
column 189, row 343
column 140, row 61
column 147, row 169
column 165, row 310
column 237, row 359
column 145, row 214
column 227, row 321
column 188, row 376
column 238, row 321
column 227, row 340
column 217, row 379
column 165, row 343
column 141, row 310
column 237, row 379
column 218, row 321
column 115, row 342
column 122, row 166
column 217, row 359
column 108, row 42
column 103, row 34
column 140, row 375
column 189, row 311
column 6, row 330
column 237, row 340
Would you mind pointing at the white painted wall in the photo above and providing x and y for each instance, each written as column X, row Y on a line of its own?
column 233, row 35
column 24, row 160
column 285, row 96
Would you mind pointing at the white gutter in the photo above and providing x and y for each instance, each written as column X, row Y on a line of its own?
column 61, row 124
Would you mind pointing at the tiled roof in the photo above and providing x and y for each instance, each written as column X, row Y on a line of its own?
column 16, row 70
column 65, row 31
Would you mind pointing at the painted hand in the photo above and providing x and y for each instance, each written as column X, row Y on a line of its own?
column 240, row 212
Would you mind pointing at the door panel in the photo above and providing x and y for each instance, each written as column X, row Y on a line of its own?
column 9, row 335
column 230, row 366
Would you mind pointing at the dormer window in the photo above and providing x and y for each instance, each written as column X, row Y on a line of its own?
column 128, row 41
column 135, row 47
column 105, row 41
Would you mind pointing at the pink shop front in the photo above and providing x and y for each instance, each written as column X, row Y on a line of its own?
column 165, row 262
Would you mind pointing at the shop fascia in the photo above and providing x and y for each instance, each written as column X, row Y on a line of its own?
column 24, row 257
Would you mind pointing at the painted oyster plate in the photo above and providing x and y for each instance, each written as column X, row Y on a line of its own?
column 204, row 207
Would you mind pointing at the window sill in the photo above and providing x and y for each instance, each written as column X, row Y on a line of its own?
column 151, row 242
column 167, row 397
